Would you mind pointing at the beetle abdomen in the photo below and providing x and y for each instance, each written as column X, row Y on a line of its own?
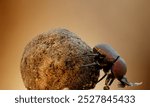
column 119, row 68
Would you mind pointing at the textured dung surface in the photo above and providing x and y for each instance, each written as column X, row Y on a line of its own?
column 53, row 61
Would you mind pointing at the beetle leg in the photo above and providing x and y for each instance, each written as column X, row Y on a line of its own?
column 121, row 85
column 92, row 54
column 125, row 81
column 92, row 64
column 135, row 84
column 109, row 77
column 102, row 77
column 106, row 87
column 111, row 81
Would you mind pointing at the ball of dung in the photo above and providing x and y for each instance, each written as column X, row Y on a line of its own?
column 54, row 60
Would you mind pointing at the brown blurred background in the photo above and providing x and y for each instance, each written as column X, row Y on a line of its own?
column 125, row 24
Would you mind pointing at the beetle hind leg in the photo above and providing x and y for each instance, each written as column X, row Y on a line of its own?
column 121, row 85
column 125, row 82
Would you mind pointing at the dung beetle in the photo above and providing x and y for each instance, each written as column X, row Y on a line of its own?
column 114, row 66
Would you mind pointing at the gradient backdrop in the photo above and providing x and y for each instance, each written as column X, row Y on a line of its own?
column 125, row 24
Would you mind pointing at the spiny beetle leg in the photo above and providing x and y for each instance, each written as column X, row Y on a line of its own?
column 135, row 84
column 125, row 81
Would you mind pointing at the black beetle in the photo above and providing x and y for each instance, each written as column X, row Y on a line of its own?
column 113, row 65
